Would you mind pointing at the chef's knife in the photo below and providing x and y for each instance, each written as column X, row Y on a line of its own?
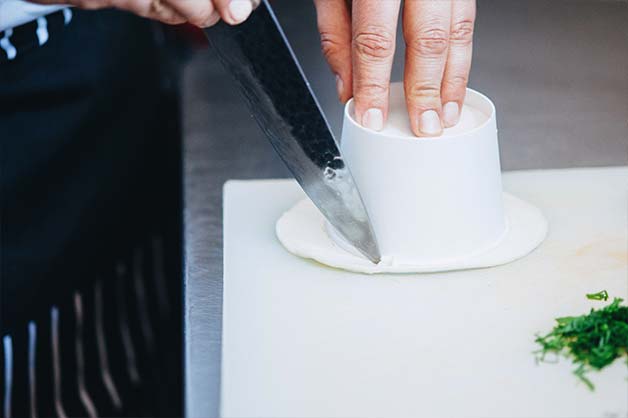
column 257, row 54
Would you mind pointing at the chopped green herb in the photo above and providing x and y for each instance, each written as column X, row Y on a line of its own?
column 591, row 341
column 580, row 373
column 603, row 295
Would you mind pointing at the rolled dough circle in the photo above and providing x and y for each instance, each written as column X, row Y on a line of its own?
column 302, row 231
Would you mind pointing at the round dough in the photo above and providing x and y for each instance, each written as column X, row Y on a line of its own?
column 302, row 231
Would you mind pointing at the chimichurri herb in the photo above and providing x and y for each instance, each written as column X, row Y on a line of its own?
column 591, row 341
column 603, row 295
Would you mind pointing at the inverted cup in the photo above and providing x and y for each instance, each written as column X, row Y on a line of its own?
column 430, row 200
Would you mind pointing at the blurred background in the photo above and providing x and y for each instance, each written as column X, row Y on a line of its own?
column 556, row 70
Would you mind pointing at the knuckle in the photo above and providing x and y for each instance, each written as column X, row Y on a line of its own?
column 432, row 41
column 330, row 44
column 456, row 82
column 371, row 89
column 462, row 32
column 374, row 43
column 423, row 92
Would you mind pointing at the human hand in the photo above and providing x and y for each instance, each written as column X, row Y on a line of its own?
column 202, row 13
column 358, row 41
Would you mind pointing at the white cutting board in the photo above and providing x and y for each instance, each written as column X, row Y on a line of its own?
column 304, row 340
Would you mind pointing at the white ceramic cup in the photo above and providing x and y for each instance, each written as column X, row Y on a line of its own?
column 430, row 200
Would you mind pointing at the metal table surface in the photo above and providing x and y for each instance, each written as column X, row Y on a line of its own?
column 557, row 71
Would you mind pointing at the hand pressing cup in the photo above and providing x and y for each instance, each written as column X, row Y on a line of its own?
column 202, row 13
column 358, row 40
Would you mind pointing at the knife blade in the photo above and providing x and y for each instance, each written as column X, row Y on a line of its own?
column 258, row 56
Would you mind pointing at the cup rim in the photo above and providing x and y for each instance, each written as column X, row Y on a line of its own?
column 470, row 92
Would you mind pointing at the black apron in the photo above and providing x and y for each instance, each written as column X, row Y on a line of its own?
column 90, row 217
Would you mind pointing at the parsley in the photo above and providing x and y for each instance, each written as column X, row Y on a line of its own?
column 591, row 341
column 603, row 295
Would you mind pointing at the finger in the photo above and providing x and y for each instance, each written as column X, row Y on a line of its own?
column 334, row 26
column 458, row 65
column 52, row 2
column 167, row 15
column 151, row 9
column 91, row 4
column 374, row 27
column 426, row 27
column 164, row 13
column 198, row 12
column 234, row 11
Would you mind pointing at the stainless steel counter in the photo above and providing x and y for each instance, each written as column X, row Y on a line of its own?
column 557, row 71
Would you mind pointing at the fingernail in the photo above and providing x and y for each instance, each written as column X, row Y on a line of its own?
column 451, row 114
column 240, row 10
column 339, row 86
column 373, row 119
column 429, row 123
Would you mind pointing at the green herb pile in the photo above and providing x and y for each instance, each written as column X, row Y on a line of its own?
column 592, row 341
